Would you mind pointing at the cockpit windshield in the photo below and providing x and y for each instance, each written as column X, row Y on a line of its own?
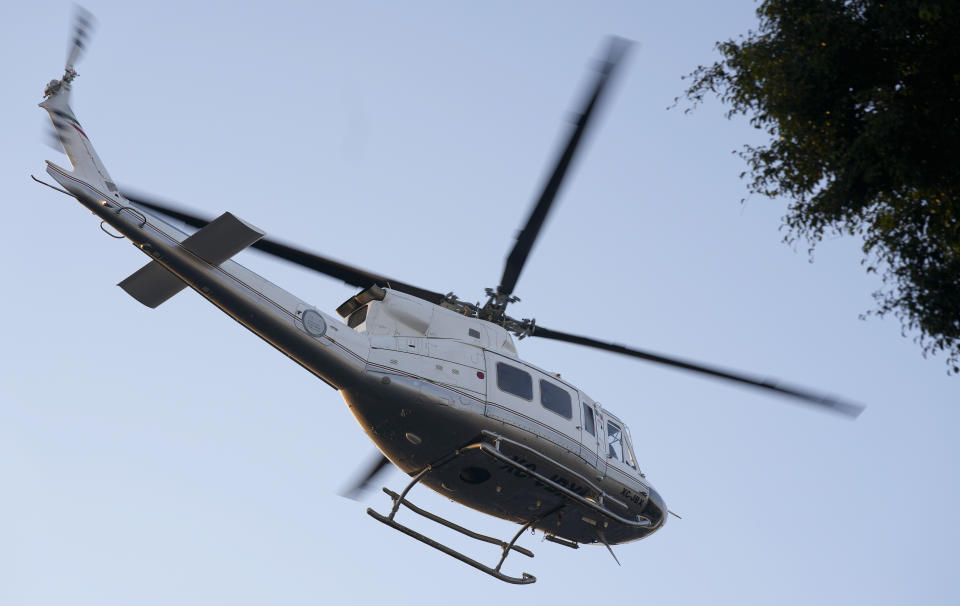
column 614, row 441
column 618, row 444
column 630, row 459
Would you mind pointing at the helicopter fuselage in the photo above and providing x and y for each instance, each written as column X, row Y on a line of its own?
column 435, row 382
column 422, row 380
column 433, row 389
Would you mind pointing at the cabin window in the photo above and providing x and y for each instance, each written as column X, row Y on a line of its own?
column 556, row 399
column 614, row 441
column 357, row 318
column 588, row 425
column 513, row 380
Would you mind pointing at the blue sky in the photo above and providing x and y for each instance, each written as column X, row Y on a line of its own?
column 167, row 456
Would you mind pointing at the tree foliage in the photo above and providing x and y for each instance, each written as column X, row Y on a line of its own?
column 862, row 102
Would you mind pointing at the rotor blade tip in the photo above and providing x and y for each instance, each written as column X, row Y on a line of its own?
column 617, row 47
column 851, row 411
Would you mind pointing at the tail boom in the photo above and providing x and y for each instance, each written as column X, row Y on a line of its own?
column 323, row 345
column 318, row 342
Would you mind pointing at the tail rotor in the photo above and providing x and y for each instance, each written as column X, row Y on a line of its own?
column 83, row 24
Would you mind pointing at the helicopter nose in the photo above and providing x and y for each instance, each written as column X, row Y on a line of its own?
column 655, row 509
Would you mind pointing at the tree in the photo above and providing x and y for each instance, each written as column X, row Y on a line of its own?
column 861, row 99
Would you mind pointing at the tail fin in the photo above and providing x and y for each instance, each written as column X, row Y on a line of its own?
column 84, row 159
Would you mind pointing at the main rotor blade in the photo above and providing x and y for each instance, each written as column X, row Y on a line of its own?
column 349, row 274
column 357, row 487
column 826, row 402
column 518, row 256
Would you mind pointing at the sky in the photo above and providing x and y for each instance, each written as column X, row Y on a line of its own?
column 169, row 456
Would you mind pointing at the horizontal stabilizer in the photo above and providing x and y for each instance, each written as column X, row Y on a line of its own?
column 222, row 238
column 152, row 284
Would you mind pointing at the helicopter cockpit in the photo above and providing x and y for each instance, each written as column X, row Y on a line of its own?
column 620, row 444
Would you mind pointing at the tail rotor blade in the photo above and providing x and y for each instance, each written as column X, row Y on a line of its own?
column 83, row 24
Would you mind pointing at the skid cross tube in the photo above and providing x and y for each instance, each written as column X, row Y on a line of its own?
column 507, row 548
column 398, row 499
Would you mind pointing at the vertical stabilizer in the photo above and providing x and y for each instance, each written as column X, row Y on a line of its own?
column 86, row 163
column 84, row 159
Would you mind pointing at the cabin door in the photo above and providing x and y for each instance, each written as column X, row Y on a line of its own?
column 592, row 437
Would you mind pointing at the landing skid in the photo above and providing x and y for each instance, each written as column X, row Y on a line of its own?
column 489, row 444
column 400, row 499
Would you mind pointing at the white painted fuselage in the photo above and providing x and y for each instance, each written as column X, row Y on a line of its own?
column 424, row 382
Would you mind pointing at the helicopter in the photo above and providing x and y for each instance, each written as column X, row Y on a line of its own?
column 436, row 382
